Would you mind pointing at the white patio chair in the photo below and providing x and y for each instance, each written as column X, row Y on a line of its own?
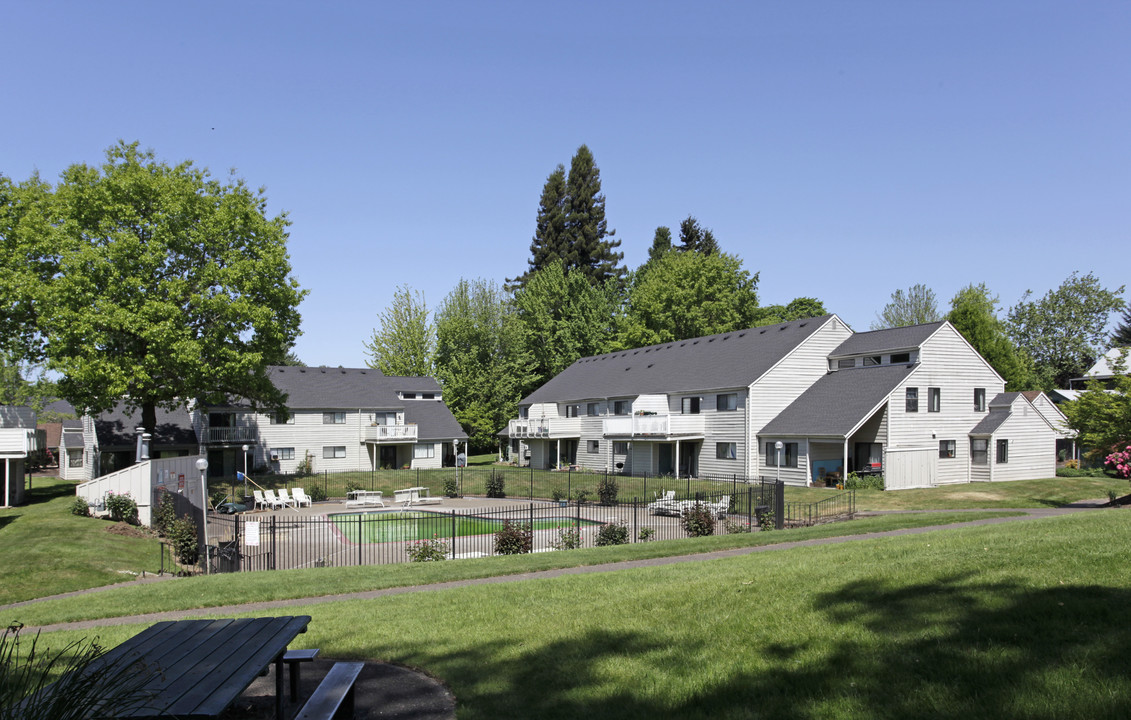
column 301, row 497
column 274, row 502
column 260, row 501
column 286, row 498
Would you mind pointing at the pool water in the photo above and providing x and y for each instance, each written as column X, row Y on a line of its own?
column 401, row 525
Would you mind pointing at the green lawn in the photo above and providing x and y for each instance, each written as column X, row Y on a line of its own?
column 1051, row 492
column 1021, row 620
column 44, row 549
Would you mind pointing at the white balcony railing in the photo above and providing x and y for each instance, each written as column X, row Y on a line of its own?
column 653, row 425
column 231, row 435
column 545, row 428
column 391, row 433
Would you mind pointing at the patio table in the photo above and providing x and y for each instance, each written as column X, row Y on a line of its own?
column 197, row 668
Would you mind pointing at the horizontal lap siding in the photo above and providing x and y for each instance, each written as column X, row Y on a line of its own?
column 724, row 426
column 592, row 429
column 1032, row 446
column 948, row 363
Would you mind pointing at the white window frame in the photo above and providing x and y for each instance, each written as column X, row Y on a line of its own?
column 934, row 399
column 594, row 446
column 726, row 451
column 726, row 402
column 333, row 452
column 332, row 418
column 423, row 451
column 283, row 453
column 620, row 447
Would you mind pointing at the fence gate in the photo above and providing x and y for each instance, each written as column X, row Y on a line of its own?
column 910, row 467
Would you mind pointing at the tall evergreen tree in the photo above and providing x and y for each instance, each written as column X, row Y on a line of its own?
column 1122, row 335
column 550, row 242
column 591, row 251
column 661, row 243
column 695, row 238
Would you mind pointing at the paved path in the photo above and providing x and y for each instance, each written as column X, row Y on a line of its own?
column 273, row 605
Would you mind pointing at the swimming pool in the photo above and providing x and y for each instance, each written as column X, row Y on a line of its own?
column 382, row 526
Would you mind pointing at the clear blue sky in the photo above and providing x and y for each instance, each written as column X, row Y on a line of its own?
column 842, row 149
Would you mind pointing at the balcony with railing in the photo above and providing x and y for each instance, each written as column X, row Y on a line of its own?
column 231, row 435
column 390, row 434
column 657, row 426
column 545, row 428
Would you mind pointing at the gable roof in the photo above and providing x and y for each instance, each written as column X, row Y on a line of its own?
column 118, row 428
column 879, row 341
column 323, row 388
column 434, row 420
column 1104, row 367
column 726, row 360
column 839, row 402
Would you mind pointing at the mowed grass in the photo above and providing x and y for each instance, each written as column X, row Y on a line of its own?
column 230, row 589
column 45, row 550
column 1050, row 492
column 1018, row 620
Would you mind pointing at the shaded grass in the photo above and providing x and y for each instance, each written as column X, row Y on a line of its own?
column 1022, row 620
column 45, row 550
column 1051, row 492
column 211, row 591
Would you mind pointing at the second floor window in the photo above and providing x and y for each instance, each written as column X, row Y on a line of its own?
column 726, row 401
column 946, row 449
column 979, row 399
column 572, row 410
column 282, row 419
column 912, row 400
column 622, row 407
column 934, row 399
column 593, row 409
column 691, row 405
column 333, row 418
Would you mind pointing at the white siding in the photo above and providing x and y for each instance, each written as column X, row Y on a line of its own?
column 1032, row 445
column 724, row 426
column 910, row 468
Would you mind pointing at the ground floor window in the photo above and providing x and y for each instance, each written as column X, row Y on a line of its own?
column 1002, row 451
column 979, row 450
column 620, row 448
column 333, row 451
column 726, row 451
column 788, row 455
column 424, row 451
column 594, row 446
column 284, row 453
column 946, row 448
column 74, row 458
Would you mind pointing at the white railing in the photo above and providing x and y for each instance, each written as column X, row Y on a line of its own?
column 391, row 433
column 545, row 428
column 232, row 434
column 653, row 425
column 17, row 441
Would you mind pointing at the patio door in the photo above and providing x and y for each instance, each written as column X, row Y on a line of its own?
column 666, row 462
column 388, row 459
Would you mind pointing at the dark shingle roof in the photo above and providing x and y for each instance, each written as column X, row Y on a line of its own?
column 1000, row 410
column 433, row 419
column 117, row 428
column 838, row 402
column 878, row 341
column 313, row 388
column 727, row 360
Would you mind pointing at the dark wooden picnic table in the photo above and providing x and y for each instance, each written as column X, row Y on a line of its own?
column 197, row 668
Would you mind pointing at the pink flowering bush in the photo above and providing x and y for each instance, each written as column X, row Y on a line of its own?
column 1119, row 462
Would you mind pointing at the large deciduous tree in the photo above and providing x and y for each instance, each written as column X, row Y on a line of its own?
column 1066, row 330
column 29, row 260
column 916, row 306
column 167, row 285
column 406, row 341
column 480, row 359
column 688, row 294
column 973, row 312
column 564, row 318
column 571, row 227
column 1101, row 415
column 798, row 309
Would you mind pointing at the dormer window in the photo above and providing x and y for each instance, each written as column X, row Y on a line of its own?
column 409, row 396
column 900, row 358
column 872, row 360
column 846, row 363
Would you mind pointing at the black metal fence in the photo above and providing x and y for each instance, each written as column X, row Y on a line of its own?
column 284, row 541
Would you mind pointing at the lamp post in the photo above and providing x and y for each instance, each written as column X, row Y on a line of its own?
column 245, row 471
column 777, row 460
column 202, row 466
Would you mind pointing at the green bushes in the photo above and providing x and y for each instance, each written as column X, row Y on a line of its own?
column 317, row 493
column 164, row 515
column 863, row 482
column 698, row 521
column 496, row 485
column 433, row 550
column 614, row 533
column 182, row 539
column 451, row 486
column 515, row 538
column 607, row 490
column 1081, row 472
column 568, row 539
column 122, row 507
column 79, row 507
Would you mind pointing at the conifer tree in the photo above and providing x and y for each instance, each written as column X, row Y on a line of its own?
column 550, row 243
column 694, row 238
column 1122, row 335
column 591, row 252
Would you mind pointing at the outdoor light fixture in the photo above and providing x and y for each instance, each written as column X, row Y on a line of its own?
column 777, row 451
column 202, row 466
column 245, row 470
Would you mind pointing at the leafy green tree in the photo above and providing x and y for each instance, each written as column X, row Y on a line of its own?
column 973, row 312
column 564, row 318
column 28, row 262
column 1122, row 335
column 694, row 238
column 914, row 307
column 406, row 341
column 1066, row 330
column 169, row 285
column 550, row 243
column 688, row 294
column 798, row 309
column 480, row 360
column 1101, row 416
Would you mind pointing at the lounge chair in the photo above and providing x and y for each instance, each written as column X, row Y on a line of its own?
column 286, row 498
column 301, row 498
column 260, row 501
column 720, row 508
column 274, row 502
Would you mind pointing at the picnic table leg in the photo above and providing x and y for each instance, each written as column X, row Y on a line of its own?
column 294, row 681
column 279, row 687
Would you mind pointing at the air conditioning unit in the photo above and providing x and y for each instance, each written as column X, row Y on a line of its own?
column 274, row 457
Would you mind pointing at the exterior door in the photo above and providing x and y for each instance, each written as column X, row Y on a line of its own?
column 388, row 460
column 666, row 461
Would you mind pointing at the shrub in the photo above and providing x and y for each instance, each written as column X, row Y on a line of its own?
column 863, row 482
column 305, row 466
column 646, row 534
column 122, row 507
column 568, row 539
column 697, row 521
column 352, row 485
column 317, row 493
column 79, row 507
column 1080, row 472
column 766, row 520
column 433, row 550
column 514, row 538
column 733, row 527
column 496, row 485
column 165, row 514
column 607, row 490
column 614, row 533
column 451, row 486
column 581, row 496
column 1071, row 464
column 182, row 539
column 558, row 494
column 1119, row 462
